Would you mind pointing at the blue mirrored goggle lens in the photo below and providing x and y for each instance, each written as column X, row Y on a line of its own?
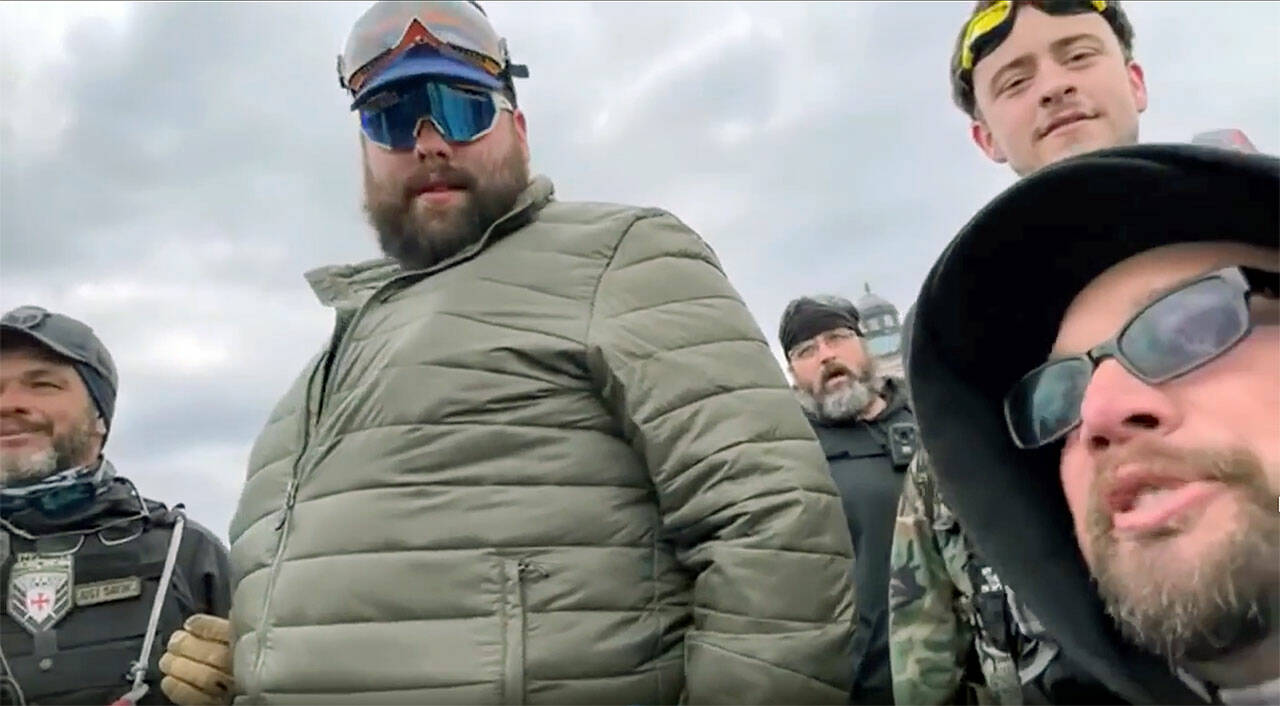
column 458, row 115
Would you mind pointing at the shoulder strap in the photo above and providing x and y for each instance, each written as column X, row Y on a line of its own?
column 138, row 670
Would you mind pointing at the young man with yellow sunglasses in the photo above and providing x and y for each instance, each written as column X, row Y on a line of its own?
column 1046, row 80
column 1041, row 81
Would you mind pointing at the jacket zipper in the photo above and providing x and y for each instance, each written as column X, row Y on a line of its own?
column 517, row 574
column 282, row 525
column 314, row 402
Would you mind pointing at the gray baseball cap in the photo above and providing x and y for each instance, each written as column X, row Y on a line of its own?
column 75, row 341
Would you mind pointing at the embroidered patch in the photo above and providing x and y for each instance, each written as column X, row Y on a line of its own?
column 40, row 590
column 106, row 591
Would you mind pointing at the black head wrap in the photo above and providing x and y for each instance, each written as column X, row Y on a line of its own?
column 807, row 317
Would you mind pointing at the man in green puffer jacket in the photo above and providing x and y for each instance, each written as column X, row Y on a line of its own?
column 547, row 456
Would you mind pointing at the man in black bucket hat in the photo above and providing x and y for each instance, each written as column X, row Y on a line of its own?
column 1103, row 339
column 95, row 576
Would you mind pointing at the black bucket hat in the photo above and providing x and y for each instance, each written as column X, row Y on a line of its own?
column 989, row 311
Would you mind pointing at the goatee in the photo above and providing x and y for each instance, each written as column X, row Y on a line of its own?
column 1226, row 598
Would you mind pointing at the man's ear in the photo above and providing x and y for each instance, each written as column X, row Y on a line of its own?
column 100, row 426
column 522, row 131
column 1138, row 85
column 983, row 138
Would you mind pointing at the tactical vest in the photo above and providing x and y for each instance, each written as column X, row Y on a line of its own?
column 77, row 608
column 867, row 461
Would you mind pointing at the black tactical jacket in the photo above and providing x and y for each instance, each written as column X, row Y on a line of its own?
column 78, row 592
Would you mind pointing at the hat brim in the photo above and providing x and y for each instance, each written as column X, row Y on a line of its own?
column 46, row 342
column 426, row 65
column 999, row 290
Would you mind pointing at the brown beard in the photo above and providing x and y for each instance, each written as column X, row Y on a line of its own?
column 1229, row 599
column 420, row 241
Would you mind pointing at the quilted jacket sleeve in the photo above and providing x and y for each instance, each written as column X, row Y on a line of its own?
column 742, row 484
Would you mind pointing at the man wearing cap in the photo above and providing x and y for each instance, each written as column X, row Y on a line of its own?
column 1127, row 435
column 867, row 432
column 95, row 576
column 547, row 457
column 1039, row 81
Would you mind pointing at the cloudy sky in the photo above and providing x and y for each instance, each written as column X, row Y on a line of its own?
column 169, row 171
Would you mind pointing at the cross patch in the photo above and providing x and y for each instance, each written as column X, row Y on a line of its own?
column 40, row 589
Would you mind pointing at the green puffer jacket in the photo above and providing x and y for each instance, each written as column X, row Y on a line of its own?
column 560, row 467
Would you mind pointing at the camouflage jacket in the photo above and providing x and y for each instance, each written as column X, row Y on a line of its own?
column 952, row 635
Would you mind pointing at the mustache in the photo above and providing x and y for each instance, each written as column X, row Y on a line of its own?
column 1159, row 459
column 1180, row 464
column 449, row 176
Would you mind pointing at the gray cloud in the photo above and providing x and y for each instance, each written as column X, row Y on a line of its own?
column 206, row 158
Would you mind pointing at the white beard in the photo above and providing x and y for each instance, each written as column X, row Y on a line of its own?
column 15, row 468
column 842, row 404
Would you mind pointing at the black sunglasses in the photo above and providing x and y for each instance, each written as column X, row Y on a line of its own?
column 1171, row 336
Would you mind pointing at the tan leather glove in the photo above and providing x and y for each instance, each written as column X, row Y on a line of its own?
column 197, row 663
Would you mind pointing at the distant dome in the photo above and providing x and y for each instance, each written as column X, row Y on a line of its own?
column 871, row 304
column 880, row 325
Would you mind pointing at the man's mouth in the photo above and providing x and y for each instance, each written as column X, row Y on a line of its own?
column 835, row 377
column 16, row 425
column 1142, row 500
column 437, row 183
column 18, row 436
column 438, row 187
column 1062, row 120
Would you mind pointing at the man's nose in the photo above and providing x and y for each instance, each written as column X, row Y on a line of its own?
column 428, row 142
column 826, row 351
column 1059, row 86
column 1118, row 408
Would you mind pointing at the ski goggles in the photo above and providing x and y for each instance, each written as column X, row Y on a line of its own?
column 1173, row 335
column 393, row 118
column 982, row 27
column 457, row 29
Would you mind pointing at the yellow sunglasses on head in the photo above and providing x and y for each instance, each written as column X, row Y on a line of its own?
column 987, row 20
